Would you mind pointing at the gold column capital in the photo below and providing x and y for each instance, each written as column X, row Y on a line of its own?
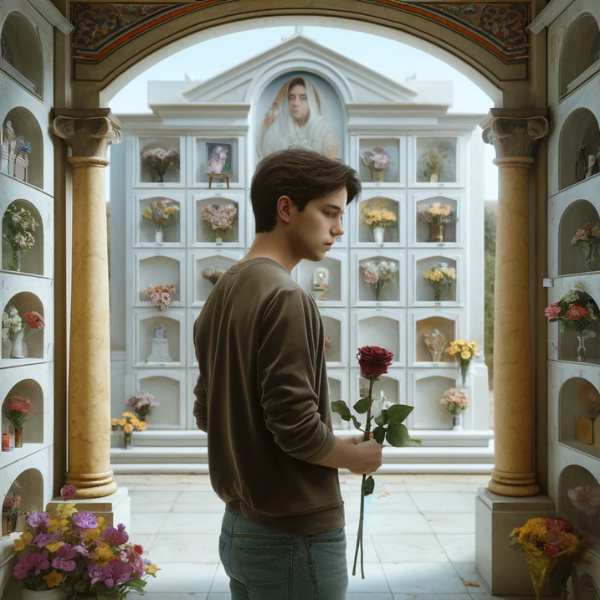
column 88, row 132
column 513, row 135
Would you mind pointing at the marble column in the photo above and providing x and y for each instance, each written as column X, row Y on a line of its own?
column 513, row 138
column 88, row 133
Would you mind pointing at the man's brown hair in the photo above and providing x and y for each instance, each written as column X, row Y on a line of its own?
column 302, row 175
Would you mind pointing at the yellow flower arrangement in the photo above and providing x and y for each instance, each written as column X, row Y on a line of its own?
column 128, row 423
column 546, row 543
column 54, row 579
column 463, row 352
column 375, row 214
column 439, row 274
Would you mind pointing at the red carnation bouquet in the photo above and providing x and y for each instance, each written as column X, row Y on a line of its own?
column 374, row 361
column 18, row 410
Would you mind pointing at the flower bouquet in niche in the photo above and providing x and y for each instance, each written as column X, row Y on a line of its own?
column 77, row 555
column 219, row 218
column 160, row 160
column 17, row 329
column 128, row 423
column 436, row 215
column 377, row 217
column 162, row 213
column 374, row 361
column 455, row 402
column 551, row 549
column 463, row 352
column 161, row 295
column 440, row 276
column 11, row 509
column 435, row 159
column 378, row 162
column 17, row 227
column 213, row 275
column 378, row 274
column 577, row 311
column 587, row 240
column 142, row 404
column 586, row 500
column 18, row 411
column 435, row 341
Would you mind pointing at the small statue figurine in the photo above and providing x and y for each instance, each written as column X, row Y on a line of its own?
column 321, row 282
column 160, row 346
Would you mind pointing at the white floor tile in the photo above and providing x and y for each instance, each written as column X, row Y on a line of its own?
column 369, row 553
column 221, row 581
column 182, row 578
column 146, row 523
column 432, row 597
column 409, row 548
column 423, row 578
column 396, row 524
column 374, row 580
column 192, row 523
column 468, row 574
column 188, row 548
column 139, row 496
column 442, row 523
column 460, row 548
column 449, row 503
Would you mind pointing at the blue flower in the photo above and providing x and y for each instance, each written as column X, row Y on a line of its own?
column 25, row 148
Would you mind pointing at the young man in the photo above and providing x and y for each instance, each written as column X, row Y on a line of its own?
column 262, row 393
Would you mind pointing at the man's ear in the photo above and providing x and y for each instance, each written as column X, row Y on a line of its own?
column 284, row 208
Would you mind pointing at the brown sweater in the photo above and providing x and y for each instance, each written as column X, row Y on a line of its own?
column 262, row 398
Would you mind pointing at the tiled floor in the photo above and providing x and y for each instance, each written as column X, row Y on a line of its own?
column 419, row 537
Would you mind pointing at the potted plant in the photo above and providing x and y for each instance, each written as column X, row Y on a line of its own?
column 18, row 410
column 455, row 401
column 74, row 554
column 163, row 213
column 436, row 215
column 11, row 509
column 142, row 404
column 17, row 227
column 128, row 423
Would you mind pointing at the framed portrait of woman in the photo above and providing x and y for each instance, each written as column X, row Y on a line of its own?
column 300, row 109
column 218, row 157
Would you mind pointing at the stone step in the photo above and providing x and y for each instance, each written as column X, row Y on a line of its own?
column 193, row 438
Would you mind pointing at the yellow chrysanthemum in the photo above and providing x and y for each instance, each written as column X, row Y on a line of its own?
column 23, row 541
column 54, row 547
column 66, row 510
column 129, row 415
column 114, row 421
column 151, row 569
column 460, row 342
column 465, row 355
column 143, row 425
column 128, row 428
column 54, row 579
column 102, row 553
column 122, row 422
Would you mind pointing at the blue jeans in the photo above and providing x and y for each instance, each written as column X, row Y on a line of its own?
column 264, row 564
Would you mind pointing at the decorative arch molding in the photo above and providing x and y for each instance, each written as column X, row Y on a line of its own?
column 490, row 37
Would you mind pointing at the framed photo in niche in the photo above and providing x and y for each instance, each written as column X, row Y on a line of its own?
column 219, row 157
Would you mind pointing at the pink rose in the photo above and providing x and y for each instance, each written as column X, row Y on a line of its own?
column 552, row 311
column 577, row 311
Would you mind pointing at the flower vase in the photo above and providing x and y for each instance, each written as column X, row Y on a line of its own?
column 377, row 176
column 437, row 294
column 463, row 374
column 110, row 595
column 19, row 347
column 589, row 254
column 18, row 437
column 436, row 355
column 15, row 264
column 219, row 236
column 540, row 568
column 434, row 178
column 457, row 421
column 9, row 523
column 55, row 594
column 378, row 234
column 581, row 347
column 127, row 440
column 158, row 235
column 437, row 232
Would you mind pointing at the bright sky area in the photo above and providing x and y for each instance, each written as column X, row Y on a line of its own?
column 388, row 57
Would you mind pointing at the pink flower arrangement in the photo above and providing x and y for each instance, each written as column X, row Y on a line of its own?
column 161, row 160
column 436, row 213
column 142, row 403
column 219, row 216
column 161, row 295
column 328, row 339
column 376, row 159
column 455, row 401
column 576, row 309
column 213, row 275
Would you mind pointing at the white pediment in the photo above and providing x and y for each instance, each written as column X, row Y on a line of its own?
column 354, row 81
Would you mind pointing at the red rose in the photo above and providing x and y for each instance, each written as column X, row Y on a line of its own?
column 138, row 549
column 551, row 550
column 577, row 312
column 373, row 360
column 558, row 525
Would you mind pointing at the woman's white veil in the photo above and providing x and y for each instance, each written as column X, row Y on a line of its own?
column 280, row 130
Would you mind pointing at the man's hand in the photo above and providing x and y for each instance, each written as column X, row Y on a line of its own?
column 358, row 439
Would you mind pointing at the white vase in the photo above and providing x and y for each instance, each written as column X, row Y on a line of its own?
column 19, row 347
column 158, row 235
column 434, row 178
column 378, row 234
column 457, row 422
column 55, row 594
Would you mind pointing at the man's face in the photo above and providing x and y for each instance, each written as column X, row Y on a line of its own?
column 298, row 101
column 314, row 230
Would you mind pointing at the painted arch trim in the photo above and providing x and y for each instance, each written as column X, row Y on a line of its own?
column 499, row 27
